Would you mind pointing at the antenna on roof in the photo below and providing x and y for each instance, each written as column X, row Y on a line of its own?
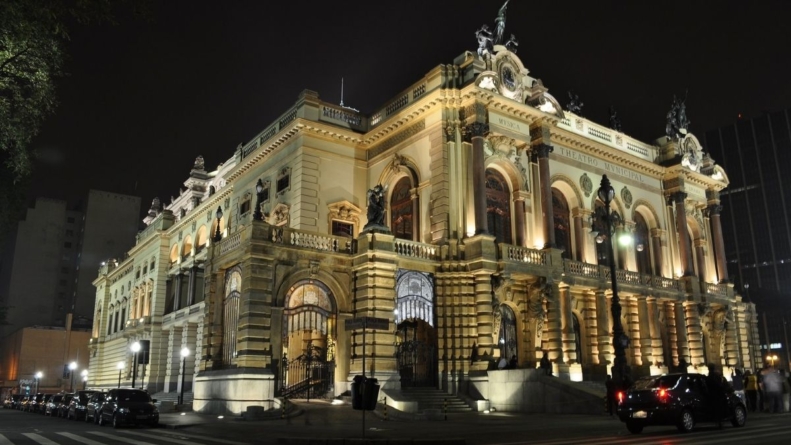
column 342, row 91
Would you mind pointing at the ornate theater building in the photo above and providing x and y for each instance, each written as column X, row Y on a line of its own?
column 464, row 211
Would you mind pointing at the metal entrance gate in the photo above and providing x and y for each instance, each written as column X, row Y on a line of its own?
column 416, row 358
column 309, row 376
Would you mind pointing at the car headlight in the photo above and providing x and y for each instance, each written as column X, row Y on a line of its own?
column 123, row 410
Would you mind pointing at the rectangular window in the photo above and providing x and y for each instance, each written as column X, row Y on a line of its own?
column 342, row 229
column 245, row 207
column 283, row 182
column 123, row 318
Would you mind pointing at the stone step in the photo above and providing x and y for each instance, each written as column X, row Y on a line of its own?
column 432, row 399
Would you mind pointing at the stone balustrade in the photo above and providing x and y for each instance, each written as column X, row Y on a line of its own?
column 414, row 249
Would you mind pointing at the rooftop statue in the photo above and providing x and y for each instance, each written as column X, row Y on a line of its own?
column 677, row 123
column 376, row 208
column 512, row 44
column 575, row 104
column 485, row 45
column 615, row 121
column 499, row 24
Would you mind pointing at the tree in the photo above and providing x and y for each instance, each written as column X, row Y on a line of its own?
column 32, row 37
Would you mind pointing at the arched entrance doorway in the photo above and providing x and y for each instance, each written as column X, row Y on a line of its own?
column 309, row 320
column 416, row 340
column 507, row 335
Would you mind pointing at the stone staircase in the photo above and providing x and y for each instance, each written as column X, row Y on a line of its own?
column 171, row 399
column 598, row 387
column 434, row 399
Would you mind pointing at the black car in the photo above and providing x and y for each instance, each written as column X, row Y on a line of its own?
column 682, row 400
column 63, row 406
column 79, row 402
column 52, row 405
column 94, row 406
column 128, row 406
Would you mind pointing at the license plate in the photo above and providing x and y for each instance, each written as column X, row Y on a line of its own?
column 640, row 415
column 142, row 416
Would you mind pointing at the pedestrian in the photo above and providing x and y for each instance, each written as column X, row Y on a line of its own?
column 502, row 364
column 717, row 395
column 512, row 363
column 609, row 384
column 773, row 390
column 682, row 365
column 737, row 382
column 545, row 364
column 751, row 389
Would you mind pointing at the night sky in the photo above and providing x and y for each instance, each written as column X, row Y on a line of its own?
column 144, row 98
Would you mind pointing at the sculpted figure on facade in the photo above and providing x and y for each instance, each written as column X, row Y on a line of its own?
column 376, row 206
column 499, row 24
column 199, row 164
column 485, row 45
column 575, row 104
column 512, row 44
column 677, row 123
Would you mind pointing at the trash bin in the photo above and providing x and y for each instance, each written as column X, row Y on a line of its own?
column 357, row 392
column 370, row 393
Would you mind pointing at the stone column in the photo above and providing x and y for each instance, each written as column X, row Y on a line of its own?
column 694, row 333
column 542, row 153
column 732, row 356
column 579, row 235
column 568, row 336
column 654, row 330
column 681, row 333
column 635, row 314
column 148, row 291
column 590, row 321
column 188, row 339
column 519, row 220
column 646, row 350
column 604, row 328
column 685, row 249
column 672, row 333
column 719, row 244
column 191, row 286
column 699, row 253
column 177, row 287
column 475, row 133
column 174, row 360
column 656, row 251
column 483, row 305
column 554, row 335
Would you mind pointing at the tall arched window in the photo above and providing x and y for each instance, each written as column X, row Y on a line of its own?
column 401, row 210
column 642, row 246
column 498, row 206
column 562, row 220
column 507, row 340
column 230, row 319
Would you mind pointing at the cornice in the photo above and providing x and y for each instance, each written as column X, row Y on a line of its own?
column 281, row 138
column 577, row 142
column 696, row 178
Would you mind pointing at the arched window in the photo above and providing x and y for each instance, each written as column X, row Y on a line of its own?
column 562, row 222
column 498, row 206
column 507, row 339
column 230, row 319
column 642, row 246
column 401, row 210
column 186, row 250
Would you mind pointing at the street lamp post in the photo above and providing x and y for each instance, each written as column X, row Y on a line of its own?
column 84, row 374
column 217, row 233
column 184, row 353
column 620, row 372
column 135, row 349
column 259, row 188
column 72, row 368
column 121, row 367
column 39, row 375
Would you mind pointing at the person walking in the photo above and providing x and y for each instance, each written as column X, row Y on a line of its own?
column 717, row 396
column 545, row 364
column 609, row 384
column 751, row 389
column 773, row 390
column 738, row 385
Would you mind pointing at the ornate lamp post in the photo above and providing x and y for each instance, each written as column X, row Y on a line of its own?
column 84, row 374
column 39, row 375
column 620, row 371
column 120, row 366
column 185, row 352
column 217, row 233
column 135, row 349
column 72, row 368
column 259, row 188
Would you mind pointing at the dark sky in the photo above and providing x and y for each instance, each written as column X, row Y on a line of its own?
column 143, row 99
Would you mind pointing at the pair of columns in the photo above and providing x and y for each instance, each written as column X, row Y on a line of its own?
column 476, row 133
column 685, row 240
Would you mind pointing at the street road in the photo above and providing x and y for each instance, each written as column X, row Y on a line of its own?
column 322, row 421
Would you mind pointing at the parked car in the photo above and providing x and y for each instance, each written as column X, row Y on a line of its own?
column 32, row 404
column 41, row 408
column 675, row 399
column 22, row 403
column 78, row 404
column 52, row 405
column 11, row 401
column 63, row 406
column 94, row 406
column 128, row 406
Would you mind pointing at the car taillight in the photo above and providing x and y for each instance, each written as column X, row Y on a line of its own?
column 662, row 393
column 621, row 395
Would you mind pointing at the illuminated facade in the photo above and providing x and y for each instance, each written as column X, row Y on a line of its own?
column 490, row 250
